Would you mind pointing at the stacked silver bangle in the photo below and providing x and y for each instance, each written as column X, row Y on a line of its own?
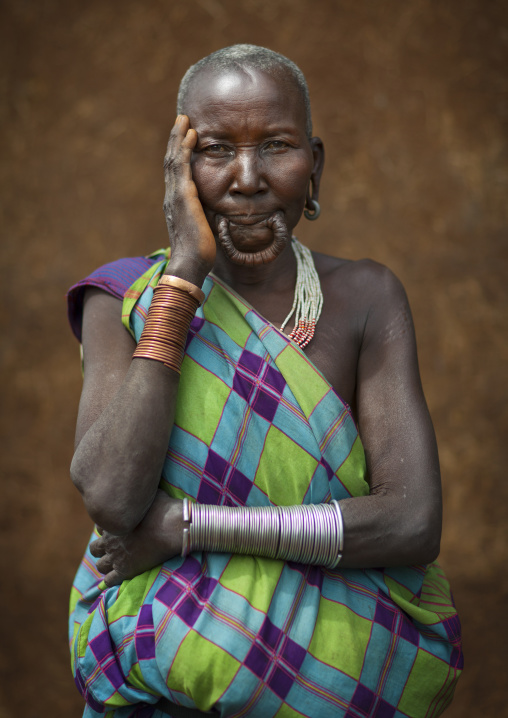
column 310, row 534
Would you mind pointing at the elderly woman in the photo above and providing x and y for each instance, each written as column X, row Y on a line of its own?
column 254, row 555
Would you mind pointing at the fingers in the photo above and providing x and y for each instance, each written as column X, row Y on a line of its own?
column 183, row 132
column 97, row 548
column 179, row 129
column 104, row 564
column 113, row 578
column 182, row 141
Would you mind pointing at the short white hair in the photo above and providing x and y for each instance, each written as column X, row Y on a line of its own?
column 251, row 56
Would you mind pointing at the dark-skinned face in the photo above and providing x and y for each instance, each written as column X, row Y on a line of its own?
column 253, row 159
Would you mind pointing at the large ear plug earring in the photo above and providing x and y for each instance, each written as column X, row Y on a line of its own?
column 316, row 210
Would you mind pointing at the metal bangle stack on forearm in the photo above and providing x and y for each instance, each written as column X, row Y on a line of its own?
column 310, row 534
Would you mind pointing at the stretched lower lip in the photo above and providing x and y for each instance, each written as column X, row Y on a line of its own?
column 247, row 219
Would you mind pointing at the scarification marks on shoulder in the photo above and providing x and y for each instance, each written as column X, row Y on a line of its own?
column 397, row 328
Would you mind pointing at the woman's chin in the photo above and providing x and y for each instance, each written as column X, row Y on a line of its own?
column 253, row 243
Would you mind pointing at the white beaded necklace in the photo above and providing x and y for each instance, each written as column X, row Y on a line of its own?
column 308, row 300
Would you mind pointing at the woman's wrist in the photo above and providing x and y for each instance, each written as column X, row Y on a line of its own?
column 190, row 269
column 167, row 324
column 172, row 526
column 170, row 280
column 163, row 526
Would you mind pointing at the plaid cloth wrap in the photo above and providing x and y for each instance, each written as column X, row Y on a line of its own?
column 257, row 424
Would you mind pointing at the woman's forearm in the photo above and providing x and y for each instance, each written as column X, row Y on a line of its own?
column 384, row 530
column 369, row 533
column 128, row 401
column 118, row 462
column 360, row 532
column 364, row 532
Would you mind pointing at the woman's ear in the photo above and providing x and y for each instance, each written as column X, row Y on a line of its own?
column 318, row 152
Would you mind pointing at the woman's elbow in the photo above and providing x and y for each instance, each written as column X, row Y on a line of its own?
column 78, row 474
column 426, row 538
column 430, row 550
column 103, row 506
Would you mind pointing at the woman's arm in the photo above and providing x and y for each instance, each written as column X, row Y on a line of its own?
column 399, row 523
column 127, row 405
column 124, row 421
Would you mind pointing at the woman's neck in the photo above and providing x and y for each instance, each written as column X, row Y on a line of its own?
column 276, row 276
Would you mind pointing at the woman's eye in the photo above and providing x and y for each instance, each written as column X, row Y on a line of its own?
column 276, row 145
column 217, row 149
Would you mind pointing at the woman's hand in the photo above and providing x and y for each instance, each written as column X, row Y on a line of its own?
column 192, row 242
column 156, row 539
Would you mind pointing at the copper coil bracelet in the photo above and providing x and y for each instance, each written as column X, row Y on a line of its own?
column 167, row 325
column 169, row 280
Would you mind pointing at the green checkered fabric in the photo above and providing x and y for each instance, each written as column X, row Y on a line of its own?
column 258, row 424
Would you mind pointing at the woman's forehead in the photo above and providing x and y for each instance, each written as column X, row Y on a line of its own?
column 244, row 88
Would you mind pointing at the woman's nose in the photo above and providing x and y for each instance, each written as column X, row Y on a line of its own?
column 247, row 175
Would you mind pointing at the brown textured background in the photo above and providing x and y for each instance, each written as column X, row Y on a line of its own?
column 411, row 99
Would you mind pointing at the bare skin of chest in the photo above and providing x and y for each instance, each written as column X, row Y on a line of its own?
column 335, row 346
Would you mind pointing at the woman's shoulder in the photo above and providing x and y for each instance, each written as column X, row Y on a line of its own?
column 114, row 278
column 364, row 277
